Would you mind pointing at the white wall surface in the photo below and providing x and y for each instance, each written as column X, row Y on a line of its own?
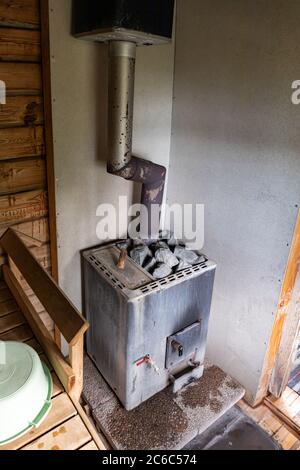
column 79, row 90
column 235, row 148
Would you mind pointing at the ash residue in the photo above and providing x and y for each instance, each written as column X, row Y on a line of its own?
column 153, row 425
column 232, row 384
column 206, row 392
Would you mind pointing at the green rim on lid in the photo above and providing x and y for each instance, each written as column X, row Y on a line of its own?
column 25, row 391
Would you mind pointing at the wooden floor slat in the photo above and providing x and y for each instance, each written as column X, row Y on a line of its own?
column 22, row 333
column 45, row 360
column 64, row 428
column 286, row 439
column 61, row 411
column 71, row 435
column 5, row 295
column 274, row 424
column 57, row 386
column 9, row 306
column 90, row 446
column 35, row 345
column 286, row 408
column 11, row 321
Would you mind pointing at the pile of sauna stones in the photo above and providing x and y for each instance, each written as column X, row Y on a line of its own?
column 163, row 257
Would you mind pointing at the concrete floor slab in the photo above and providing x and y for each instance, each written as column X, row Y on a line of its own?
column 167, row 421
column 95, row 391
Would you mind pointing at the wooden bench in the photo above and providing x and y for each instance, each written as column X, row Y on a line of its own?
column 67, row 427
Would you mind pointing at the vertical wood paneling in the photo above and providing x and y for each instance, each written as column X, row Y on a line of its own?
column 26, row 159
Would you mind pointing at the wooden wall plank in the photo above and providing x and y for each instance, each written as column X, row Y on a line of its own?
column 43, row 255
column 90, row 446
column 21, row 13
column 21, row 111
column 20, row 45
column 16, row 208
column 37, row 229
column 18, row 142
column 21, row 78
column 22, row 175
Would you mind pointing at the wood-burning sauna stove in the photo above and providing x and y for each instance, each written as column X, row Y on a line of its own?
column 145, row 334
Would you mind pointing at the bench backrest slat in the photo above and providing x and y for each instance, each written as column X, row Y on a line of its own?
column 65, row 316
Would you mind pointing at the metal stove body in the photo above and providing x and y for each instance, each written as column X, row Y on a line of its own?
column 144, row 334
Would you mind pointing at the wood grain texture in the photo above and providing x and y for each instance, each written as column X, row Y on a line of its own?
column 71, row 435
column 57, row 386
column 20, row 45
column 90, row 446
column 66, row 427
column 42, row 255
column 18, row 142
column 274, row 425
column 9, row 306
column 76, row 361
column 98, row 438
column 11, row 321
column 62, row 410
column 65, row 316
column 5, row 295
column 285, row 299
column 22, row 175
column 16, row 208
column 286, row 439
column 22, row 333
column 21, row 78
column 62, row 369
column 286, row 408
column 21, row 13
column 37, row 229
column 285, row 359
column 21, row 111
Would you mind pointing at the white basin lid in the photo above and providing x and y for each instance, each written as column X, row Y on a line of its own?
column 16, row 365
column 25, row 390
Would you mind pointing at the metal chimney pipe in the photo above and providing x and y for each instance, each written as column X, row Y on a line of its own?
column 124, row 24
column 122, row 56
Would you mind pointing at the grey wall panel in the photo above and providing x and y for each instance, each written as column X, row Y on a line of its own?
column 235, row 148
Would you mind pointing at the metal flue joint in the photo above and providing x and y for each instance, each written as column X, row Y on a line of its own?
column 122, row 56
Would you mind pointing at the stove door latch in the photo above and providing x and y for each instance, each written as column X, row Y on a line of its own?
column 178, row 347
column 184, row 346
